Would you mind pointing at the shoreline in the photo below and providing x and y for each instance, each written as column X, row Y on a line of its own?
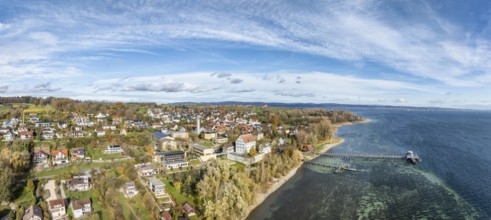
column 277, row 183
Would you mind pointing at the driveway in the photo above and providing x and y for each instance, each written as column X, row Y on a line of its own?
column 51, row 187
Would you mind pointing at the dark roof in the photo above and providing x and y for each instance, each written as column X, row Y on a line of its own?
column 79, row 151
column 80, row 203
column 34, row 210
column 159, row 135
column 166, row 153
column 42, row 152
column 187, row 208
column 76, row 181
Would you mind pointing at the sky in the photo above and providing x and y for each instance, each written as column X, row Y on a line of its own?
column 398, row 52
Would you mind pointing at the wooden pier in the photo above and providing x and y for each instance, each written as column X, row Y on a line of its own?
column 409, row 156
column 365, row 156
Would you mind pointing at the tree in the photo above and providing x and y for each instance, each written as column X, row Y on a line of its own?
column 253, row 152
column 177, row 185
column 6, row 181
column 30, row 186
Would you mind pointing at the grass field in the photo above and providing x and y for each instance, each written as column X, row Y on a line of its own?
column 96, row 204
column 68, row 169
column 38, row 109
column 136, row 203
column 24, row 197
column 98, row 153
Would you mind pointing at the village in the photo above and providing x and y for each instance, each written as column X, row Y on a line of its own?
column 64, row 166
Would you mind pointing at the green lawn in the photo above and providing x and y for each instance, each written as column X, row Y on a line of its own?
column 38, row 108
column 194, row 163
column 96, row 204
column 98, row 153
column 238, row 165
column 173, row 191
column 137, row 204
column 71, row 168
column 24, row 197
column 207, row 144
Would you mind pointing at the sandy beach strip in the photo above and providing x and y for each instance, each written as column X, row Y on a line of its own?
column 277, row 183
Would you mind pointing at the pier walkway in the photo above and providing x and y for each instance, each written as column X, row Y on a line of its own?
column 366, row 156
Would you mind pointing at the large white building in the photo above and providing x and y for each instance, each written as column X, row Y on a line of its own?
column 157, row 187
column 244, row 143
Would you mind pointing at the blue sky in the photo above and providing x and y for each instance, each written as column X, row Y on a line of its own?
column 411, row 53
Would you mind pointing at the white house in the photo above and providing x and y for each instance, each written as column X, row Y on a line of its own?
column 57, row 208
column 157, row 187
column 40, row 157
column 100, row 132
column 146, row 169
column 130, row 190
column 8, row 136
column 244, row 143
column 113, row 149
column 81, row 207
column 59, row 156
column 79, row 183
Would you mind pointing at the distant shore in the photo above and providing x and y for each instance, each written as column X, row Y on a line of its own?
column 277, row 183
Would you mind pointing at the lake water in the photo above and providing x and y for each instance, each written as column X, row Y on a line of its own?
column 452, row 182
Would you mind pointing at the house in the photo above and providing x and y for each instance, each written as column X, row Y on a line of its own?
column 208, row 135
column 130, row 190
column 8, row 136
column 114, row 149
column 205, row 153
column 179, row 134
column 78, row 153
column 43, row 124
column 157, row 187
column 165, row 215
column 259, row 136
column 79, row 183
column 221, row 140
column 59, row 156
column 307, row 148
column 171, row 159
column 244, row 143
column 62, row 125
column 109, row 127
column 57, row 208
column 123, row 132
column 24, row 135
column 34, row 212
column 34, row 119
column 48, row 134
column 81, row 207
column 100, row 132
column 188, row 209
column 146, row 169
column 4, row 130
column 40, row 157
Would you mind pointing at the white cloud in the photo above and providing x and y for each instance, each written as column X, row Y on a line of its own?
column 346, row 31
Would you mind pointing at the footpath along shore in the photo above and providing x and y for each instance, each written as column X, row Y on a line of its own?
column 277, row 183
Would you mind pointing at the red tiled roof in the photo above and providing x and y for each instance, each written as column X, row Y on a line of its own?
column 56, row 202
column 166, row 215
column 55, row 152
column 248, row 138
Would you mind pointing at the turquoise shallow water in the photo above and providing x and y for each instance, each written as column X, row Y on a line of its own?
column 452, row 182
